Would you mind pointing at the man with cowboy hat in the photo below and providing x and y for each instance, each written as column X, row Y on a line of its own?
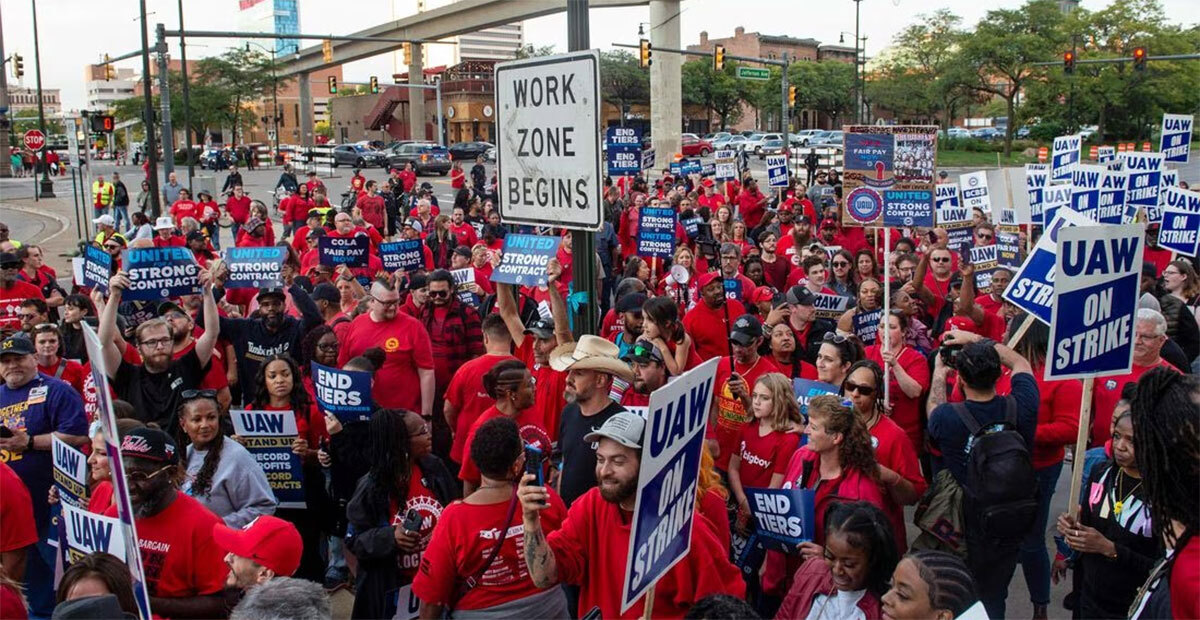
column 593, row 365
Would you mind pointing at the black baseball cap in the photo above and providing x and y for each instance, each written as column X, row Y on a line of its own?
column 150, row 444
column 195, row 235
column 9, row 258
column 632, row 302
column 643, row 352
column 799, row 295
column 541, row 328
column 169, row 306
column 327, row 292
column 463, row 251
column 17, row 344
column 275, row 292
column 745, row 329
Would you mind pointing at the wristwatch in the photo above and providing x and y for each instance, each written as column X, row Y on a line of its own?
column 29, row 444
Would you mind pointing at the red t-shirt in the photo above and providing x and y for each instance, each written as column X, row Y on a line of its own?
column 751, row 207
column 466, row 394
column 10, row 302
column 590, row 550
column 186, row 208
column 72, row 372
column 372, row 209
column 709, row 329
column 613, row 323
column 1185, row 581
column 906, row 411
column 17, row 527
column 421, row 499
column 712, row 507
column 239, row 208
column 549, row 398
column 1106, row 393
column 731, row 416
column 894, row 451
column 457, row 178
column 1159, row 258
column 407, row 347
column 464, row 234
column 215, row 377
column 939, row 288
column 173, row 241
column 466, row 535
column 763, row 456
column 533, row 434
column 179, row 555
column 101, row 497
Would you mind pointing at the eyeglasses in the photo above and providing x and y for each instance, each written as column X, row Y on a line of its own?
column 174, row 316
column 940, row 260
column 863, row 390
column 194, row 394
column 328, row 346
column 841, row 263
column 433, row 293
column 387, row 303
column 835, row 338
column 10, row 266
column 983, row 236
column 423, row 430
column 156, row 343
column 137, row 477
column 111, row 246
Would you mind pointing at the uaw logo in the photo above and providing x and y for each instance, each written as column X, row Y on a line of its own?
column 864, row 205
column 972, row 181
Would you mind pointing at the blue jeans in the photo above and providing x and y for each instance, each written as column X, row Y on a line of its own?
column 121, row 213
column 1034, row 557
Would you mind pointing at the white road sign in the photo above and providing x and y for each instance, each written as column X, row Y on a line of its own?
column 548, row 142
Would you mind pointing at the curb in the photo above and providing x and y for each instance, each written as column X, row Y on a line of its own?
column 63, row 224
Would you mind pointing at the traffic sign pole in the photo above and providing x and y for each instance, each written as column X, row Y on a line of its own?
column 583, row 246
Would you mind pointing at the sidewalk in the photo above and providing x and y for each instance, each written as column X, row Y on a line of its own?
column 50, row 222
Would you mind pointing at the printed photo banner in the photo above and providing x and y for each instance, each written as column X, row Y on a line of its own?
column 344, row 393
column 785, row 517
column 407, row 255
column 156, row 274
column 97, row 268
column 1036, row 178
column 348, row 251
column 888, row 173
column 1176, row 141
column 268, row 436
column 524, row 259
column 1180, row 221
column 656, row 232
column 256, row 268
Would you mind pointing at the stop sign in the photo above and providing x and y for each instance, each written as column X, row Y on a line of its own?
column 34, row 140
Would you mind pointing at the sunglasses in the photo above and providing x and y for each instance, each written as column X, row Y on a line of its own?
column 862, row 390
column 940, row 260
column 841, row 264
column 983, row 236
column 835, row 338
column 194, row 394
column 439, row 293
column 390, row 302
column 137, row 477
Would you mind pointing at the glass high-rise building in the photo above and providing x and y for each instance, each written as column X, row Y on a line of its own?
column 278, row 16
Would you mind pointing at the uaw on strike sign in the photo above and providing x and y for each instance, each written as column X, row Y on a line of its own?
column 548, row 143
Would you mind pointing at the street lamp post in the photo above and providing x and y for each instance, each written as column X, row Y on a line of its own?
column 47, row 189
column 860, row 80
column 187, row 108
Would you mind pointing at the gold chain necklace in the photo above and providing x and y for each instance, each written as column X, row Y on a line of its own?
column 1120, row 504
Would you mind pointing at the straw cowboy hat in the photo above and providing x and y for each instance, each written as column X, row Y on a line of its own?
column 590, row 353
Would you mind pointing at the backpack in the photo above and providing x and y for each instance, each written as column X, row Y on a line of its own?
column 1000, row 494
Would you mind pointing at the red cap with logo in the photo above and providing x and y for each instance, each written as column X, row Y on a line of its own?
column 270, row 541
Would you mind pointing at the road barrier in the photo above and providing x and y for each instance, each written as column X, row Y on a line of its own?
column 1043, row 154
column 314, row 157
column 828, row 156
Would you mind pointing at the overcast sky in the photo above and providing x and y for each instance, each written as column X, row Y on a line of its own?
column 77, row 32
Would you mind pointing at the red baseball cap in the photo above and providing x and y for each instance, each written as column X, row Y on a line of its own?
column 270, row 541
column 762, row 293
column 707, row 182
column 786, row 206
column 707, row 278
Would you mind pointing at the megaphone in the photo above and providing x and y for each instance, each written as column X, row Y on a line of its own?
column 680, row 274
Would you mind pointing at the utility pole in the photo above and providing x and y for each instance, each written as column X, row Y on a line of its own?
column 857, row 69
column 47, row 186
column 785, row 109
column 583, row 245
column 164, row 100
column 148, row 121
column 5, row 117
column 187, row 108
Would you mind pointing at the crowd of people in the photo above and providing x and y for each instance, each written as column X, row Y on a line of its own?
column 498, row 472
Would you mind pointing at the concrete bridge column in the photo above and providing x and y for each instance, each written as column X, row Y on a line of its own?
column 666, row 108
column 416, row 96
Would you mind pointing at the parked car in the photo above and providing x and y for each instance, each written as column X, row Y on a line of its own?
column 424, row 156
column 1023, row 132
column 825, row 138
column 490, row 155
column 469, row 150
column 987, row 133
column 754, row 143
column 1087, row 131
column 957, row 132
column 736, row 143
column 717, row 136
column 773, row 146
column 358, row 156
column 691, row 145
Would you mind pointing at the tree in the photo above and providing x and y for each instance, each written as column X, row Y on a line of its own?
column 720, row 93
column 622, row 81
column 1001, row 51
column 826, row 86
column 920, row 74
column 529, row 51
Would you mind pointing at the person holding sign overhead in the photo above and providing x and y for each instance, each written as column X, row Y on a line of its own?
column 908, row 374
column 590, row 548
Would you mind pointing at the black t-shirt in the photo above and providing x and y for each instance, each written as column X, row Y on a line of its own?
column 579, row 456
column 156, row 396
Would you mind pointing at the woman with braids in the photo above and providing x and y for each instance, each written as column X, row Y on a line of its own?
column 929, row 585
column 1166, row 444
column 899, row 471
column 510, row 384
column 279, row 387
column 1112, row 534
column 838, row 463
column 221, row 474
column 850, row 573
column 394, row 509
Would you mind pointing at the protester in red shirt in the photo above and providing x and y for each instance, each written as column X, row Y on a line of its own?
column 457, row 176
column 406, row 380
column 766, row 443
column 372, row 207
column 408, row 177
column 708, row 322
column 1150, row 333
column 313, row 183
column 751, row 204
column 13, row 292
column 185, row 570
column 464, row 233
column 732, row 388
column 47, row 341
column 465, row 545
column 466, row 395
column 165, row 236
column 18, row 530
column 709, row 198
column 294, row 208
column 185, row 207
column 591, row 547
column 253, row 234
column 238, row 207
column 533, row 344
column 511, row 386
column 908, row 375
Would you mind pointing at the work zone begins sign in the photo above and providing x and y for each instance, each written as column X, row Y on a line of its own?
column 548, row 143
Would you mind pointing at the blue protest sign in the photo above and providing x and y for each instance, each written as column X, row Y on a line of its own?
column 785, row 517
column 348, row 251
column 524, row 258
column 97, row 268
column 670, row 463
column 1032, row 286
column 1064, row 157
column 1176, row 141
column 830, row 306
column 86, row 533
column 1055, row 197
column 647, row 159
column 952, row 217
column 806, row 389
column 985, row 258
column 268, row 435
column 691, row 166
column 708, row 169
column 733, row 288
column 725, row 165
column 1036, row 177
column 777, row 173
column 255, row 267
column 691, row 226
column 910, row 207
column 1180, row 221
column 1106, row 155
column 676, row 168
column 1145, row 175
column 1096, row 280
column 1169, row 178
column 624, row 149
column 1098, row 192
column 344, row 393
column 656, row 232
column 866, row 324
column 404, row 255
column 70, row 473
column 156, row 274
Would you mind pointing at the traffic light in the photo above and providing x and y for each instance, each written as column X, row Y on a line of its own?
column 791, row 96
column 407, row 47
column 1139, row 59
column 102, row 123
column 327, row 50
column 110, row 72
column 718, row 58
column 1068, row 62
column 374, row 85
column 332, row 85
column 18, row 66
column 644, row 53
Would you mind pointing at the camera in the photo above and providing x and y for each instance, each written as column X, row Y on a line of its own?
column 709, row 248
column 949, row 354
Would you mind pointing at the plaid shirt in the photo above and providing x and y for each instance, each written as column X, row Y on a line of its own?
column 455, row 341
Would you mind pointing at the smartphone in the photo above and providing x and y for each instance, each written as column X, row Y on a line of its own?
column 533, row 463
column 5, row 432
column 412, row 521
